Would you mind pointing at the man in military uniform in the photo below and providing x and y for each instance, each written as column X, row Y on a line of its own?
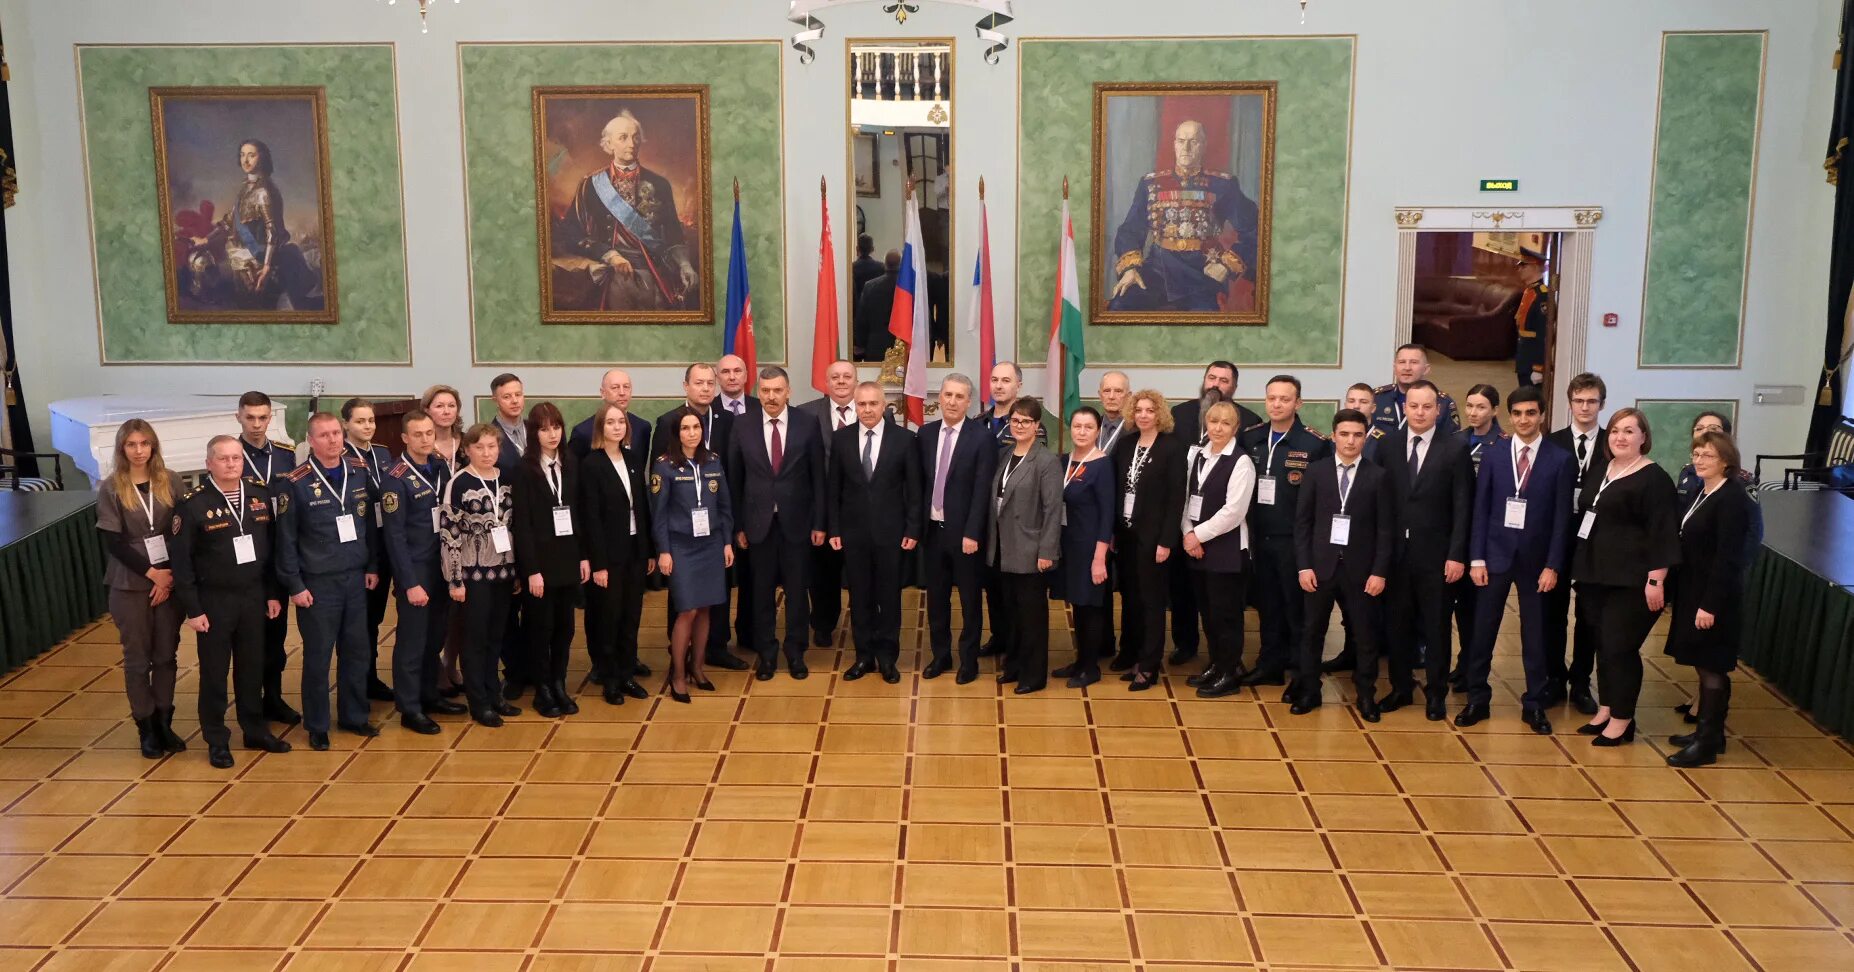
column 327, row 563
column 1410, row 366
column 409, row 499
column 1169, row 250
column 220, row 549
column 1282, row 448
column 1531, row 320
column 267, row 462
column 1362, row 398
column 623, row 228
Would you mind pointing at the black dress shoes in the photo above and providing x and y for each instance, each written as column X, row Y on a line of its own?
column 720, row 658
column 611, row 693
column 1265, row 676
column 966, row 676
column 990, row 649
column 483, row 717
column 1471, row 714
column 1024, row 688
column 1537, row 720
column 1305, row 703
column 565, row 699
column 1345, row 661
column 1369, row 710
column 545, row 705
column 934, row 669
column 513, row 689
column 1435, row 708
column 889, row 673
column 365, row 730
column 1121, row 663
column 219, row 755
column 703, row 684
column 1208, row 675
column 277, row 710
column 1066, row 671
column 1141, row 681
column 631, row 688
column 1628, row 736
column 506, row 709
column 765, row 669
column 419, row 723
column 1084, row 678
column 1006, row 677
column 640, row 670
column 318, row 741
column 1395, row 701
column 1226, row 683
column 269, row 744
column 1582, row 700
column 150, row 737
column 856, row 671
column 378, row 691
column 1182, row 655
column 1592, row 728
column 682, row 697
column 798, row 668
column 445, row 707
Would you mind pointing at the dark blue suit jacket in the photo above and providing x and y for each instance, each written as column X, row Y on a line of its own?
column 968, row 479
column 1541, row 544
column 797, row 489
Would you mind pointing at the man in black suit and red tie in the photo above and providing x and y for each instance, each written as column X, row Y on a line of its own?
column 1344, row 531
column 957, row 456
column 872, row 463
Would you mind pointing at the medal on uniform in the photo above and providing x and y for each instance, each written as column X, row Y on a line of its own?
column 563, row 521
column 1265, row 490
column 244, row 548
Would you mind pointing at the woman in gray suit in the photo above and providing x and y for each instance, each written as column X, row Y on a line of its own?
column 1025, row 541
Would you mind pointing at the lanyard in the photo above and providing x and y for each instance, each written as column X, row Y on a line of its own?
column 1200, row 469
column 1274, row 440
column 1397, row 407
column 1113, row 436
column 237, row 509
column 372, row 462
column 1703, row 496
column 495, row 492
column 1140, row 455
column 148, row 507
column 1519, row 485
column 697, row 467
column 1011, row 465
column 1351, row 479
column 268, row 455
column 421, row 476
column 1075, row 465
column 316, row 465
column 553, row 483
column 1606, row 481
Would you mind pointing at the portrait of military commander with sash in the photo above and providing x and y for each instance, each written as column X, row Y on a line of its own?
column 1182, row 194
column 623, row 179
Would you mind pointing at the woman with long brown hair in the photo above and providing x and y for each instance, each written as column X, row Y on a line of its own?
column 135, row 505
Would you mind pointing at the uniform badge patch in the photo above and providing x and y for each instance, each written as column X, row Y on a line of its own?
column 656, row 483
column 360, row 508
column 714, row 486
column 1294, row 478
column 176, row 524
column 283, row 502
column 390, row 502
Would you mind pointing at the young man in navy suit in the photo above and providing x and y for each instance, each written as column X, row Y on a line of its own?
column 775, row 466
column 957, row 456
column 1522, row 514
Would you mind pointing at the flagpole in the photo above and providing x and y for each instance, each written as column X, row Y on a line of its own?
column 1061, row 423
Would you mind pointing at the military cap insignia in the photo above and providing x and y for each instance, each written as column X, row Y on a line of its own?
column 390, row 502
column 656, row 483
column 176, row 524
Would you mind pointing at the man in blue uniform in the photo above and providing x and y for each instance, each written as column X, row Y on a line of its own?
column 1411, row 366
column 327, row 563
column 1169, row 253
column 410, row 493
column 1282, row 448
column 1532, row 320
column 267, row 462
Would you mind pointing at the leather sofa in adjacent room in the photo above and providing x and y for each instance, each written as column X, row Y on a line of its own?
column 1466, row 318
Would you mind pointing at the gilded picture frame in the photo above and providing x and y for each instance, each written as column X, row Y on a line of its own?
column 1183, row 200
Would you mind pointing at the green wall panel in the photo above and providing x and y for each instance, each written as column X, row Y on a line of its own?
column 1312, row 143
column 1671, row 419
column 1699, row 228
column 745, row 141
column 128, row 230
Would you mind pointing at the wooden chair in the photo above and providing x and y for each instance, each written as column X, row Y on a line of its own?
column 11, row 479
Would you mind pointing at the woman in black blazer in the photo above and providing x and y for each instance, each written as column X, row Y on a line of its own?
column 1081, row 577
column 1628, row 537
column 1706, row 591
column 1149, row 479
column 614, row 497
column 548, row 560
column 1219, row 480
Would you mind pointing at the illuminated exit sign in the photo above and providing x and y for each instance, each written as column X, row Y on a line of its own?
column 1499, row 185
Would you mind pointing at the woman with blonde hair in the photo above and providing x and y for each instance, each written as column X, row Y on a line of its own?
column 135, row 505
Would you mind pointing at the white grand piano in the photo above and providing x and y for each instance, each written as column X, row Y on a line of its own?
column 85, row 428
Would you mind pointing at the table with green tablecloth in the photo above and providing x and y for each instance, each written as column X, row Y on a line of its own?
column 1799, row 603
column 51, row 571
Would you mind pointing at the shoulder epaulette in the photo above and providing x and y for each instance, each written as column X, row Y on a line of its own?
column 1505, row 435
column 299, row 472
column 400, row 468
column 356, row 462
column 1216, row 175
column 1447, row 397
column 1252, row 428
column 195, row 491
column 1376, row 432
column 1316, row 432
column 254, row 481
column 1386, row 387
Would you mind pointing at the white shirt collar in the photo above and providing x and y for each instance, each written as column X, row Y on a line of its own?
column 1591, row 431
column 1229, row 448
column 953, row 426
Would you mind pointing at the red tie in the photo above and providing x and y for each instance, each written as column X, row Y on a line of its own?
column 778, row 447
column 1525, row 468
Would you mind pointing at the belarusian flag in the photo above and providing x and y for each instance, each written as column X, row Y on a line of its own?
column 1062, row 370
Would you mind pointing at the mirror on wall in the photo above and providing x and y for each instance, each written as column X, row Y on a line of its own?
column 901, row 129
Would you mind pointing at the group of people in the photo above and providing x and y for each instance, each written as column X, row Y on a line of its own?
column 1411, row 515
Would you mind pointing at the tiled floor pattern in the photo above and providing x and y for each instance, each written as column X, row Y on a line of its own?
column 826, row 825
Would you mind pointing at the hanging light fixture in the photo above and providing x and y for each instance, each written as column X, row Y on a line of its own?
column 424, row 13
column 1303, row 10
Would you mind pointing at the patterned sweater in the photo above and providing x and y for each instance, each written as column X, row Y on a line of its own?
column 472, row 509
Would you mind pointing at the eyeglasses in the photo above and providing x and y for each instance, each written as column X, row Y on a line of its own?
column 1586, row 401
column 1703, row 454
column 1020, row 420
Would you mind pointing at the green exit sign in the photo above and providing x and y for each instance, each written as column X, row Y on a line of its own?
column 1499, row 185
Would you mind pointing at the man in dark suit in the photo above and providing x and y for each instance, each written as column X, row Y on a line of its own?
column 775, row 469
column 869, row 331
column 1432, row 477
column 957, row 456
column 1522, row 512
column 836, row 410
column 506, row 389
column 699, row 384
column 1219, row 386
column 1588, row 442
column 873, row 461
column 1344, row 532
column 614, row 389
column 866, row 267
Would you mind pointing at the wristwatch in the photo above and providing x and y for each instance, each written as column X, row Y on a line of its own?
column 1653, row 583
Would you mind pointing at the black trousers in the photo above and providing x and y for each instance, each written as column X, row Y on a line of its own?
column 997, row 611
column 1583, row 638
column 1026, row 603
column 1465, row 596
column 1184, row 602
column 1622, row 616
column 1094, row 632
column 1489, row 611
column 276, row 631
column 418, row 640
column 875, row 601
column 376, row 616
column 740, row 578
column 486, row 615
column 773, row 563
column 1223, row 596
column 826, row 590
column 613, row 614
column 234, row 639
column 1319, row 617
column 948, row 568
column 547, row 626
column 1278, row 604
column 1145, row 587
column 1419, row 608
column 512, row 648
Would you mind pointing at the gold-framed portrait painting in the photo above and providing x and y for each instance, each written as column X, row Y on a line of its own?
column 1183, row 199
column 622, row 204
column 242, row 178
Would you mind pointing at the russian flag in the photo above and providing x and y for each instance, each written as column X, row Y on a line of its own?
column 907, row 319
column 738, row 337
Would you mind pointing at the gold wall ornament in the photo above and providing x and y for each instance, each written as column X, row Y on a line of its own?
column 936, row 113
column 1409, row 217
column 424, row 13
column 1498, row 216
column 894, row 362
column 1587, row 217
column 901, row 10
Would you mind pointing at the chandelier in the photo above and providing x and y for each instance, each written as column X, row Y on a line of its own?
column 424, row 13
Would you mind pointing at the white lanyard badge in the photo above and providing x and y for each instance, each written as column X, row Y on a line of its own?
column 155, row 544
column 1590, row 515
column 344, row 521
column 244, row 546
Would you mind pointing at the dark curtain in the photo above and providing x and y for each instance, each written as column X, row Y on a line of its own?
column 17, row 424
column 1841, row 246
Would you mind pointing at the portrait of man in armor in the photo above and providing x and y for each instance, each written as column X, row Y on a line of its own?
column 621, row 179
column 242, row 176
column 1183, row 191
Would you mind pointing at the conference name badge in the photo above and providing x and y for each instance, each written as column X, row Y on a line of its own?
column 1265, row 490
column 1589, row 523
column 157, row 548
column 698, row 521
column 345, row 530
column 499, row 538
column 244, row 548
column 1515, row 513
column 1342, row 529
column 563, row 521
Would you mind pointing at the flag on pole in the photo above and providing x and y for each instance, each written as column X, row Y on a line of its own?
column 907, row 319
column 738, row 338
column 1062, row 370
column 980, row 318
column 825, row 336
